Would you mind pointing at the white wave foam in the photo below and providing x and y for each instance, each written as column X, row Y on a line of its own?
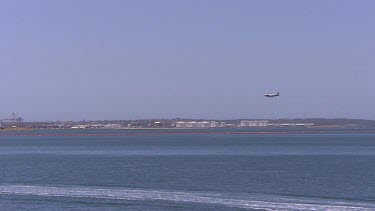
column 271, row 203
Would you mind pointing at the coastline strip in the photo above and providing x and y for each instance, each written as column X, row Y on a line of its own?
column 180, row 133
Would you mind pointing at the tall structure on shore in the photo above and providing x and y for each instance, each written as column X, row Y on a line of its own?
column 12, row 121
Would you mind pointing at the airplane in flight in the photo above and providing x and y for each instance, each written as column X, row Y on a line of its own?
column 272, row 95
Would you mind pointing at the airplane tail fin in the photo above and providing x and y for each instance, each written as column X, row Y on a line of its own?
column 278, row 93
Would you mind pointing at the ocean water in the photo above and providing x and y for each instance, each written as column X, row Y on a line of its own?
column 302, row 171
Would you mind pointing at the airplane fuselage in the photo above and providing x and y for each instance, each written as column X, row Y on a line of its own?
column 272, row 95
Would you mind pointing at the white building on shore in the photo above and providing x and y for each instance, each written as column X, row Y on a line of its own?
column 254, row 123
column 195, row 124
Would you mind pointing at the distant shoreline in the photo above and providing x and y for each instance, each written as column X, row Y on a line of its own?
column 177, row 133
column 195, row 128
column 16, row 129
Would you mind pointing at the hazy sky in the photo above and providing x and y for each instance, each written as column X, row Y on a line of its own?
column 118, row 59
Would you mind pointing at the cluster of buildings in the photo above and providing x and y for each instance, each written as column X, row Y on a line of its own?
column 253, row 123
column 213, row 124
column 96, row 126
column 166, row 123
column 243, row 123
column 202, row 124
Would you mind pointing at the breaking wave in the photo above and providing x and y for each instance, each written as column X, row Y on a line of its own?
column 250, row 202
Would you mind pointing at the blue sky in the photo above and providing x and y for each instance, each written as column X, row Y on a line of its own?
column 117, row 59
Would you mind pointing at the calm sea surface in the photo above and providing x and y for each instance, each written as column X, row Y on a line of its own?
column 333, row 171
